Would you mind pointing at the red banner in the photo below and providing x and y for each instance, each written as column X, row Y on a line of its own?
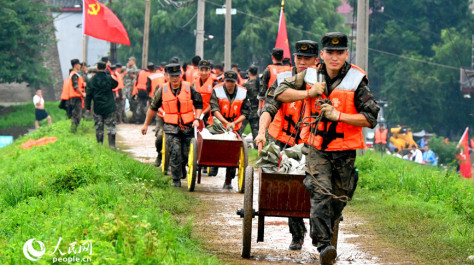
column 282, row 37
column 101, row 23
column 464, row 158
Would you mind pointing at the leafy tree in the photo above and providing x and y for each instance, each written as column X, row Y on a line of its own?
column 254, row 28
column 25, row 33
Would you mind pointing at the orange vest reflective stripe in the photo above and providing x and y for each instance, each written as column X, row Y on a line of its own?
column 205, row 90
column 80, row 84
column 381, row 136
column 230, row 110
column 141, row 81
column 182, row 113
column 275, row 70
column 157, row 79
column 337, row 136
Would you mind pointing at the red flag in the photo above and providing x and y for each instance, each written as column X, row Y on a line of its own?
column 101, row 23
column 464, row 158
column 282, row 37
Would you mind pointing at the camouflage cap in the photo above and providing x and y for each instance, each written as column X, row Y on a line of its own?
column 334, row 41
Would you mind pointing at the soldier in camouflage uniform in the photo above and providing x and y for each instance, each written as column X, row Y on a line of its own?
column 306, row 55
column 252, row 86
column 179, row 120
column 331, row 177
column 99, row 89
column 75, row 101
column 129, row 78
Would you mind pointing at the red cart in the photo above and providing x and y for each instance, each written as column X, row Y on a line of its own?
column 280, row 195
column 216, row 153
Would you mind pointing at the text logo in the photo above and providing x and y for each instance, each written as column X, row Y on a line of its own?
column 31, row 253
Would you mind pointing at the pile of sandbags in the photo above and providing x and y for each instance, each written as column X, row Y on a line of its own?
column 217, row 131
column 292, row 160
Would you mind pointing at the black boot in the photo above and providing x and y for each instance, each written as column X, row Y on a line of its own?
column 100, row 138
column 158, row 160
column 328, row 255
column 296, row 243
column 112, row 141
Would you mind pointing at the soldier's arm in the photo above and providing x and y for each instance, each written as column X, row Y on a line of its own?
column 197, row 102
column 244, row 111
column 75, row 83
column 292, row 89
column 90, row 93
column 155, row 104
column 366, row 105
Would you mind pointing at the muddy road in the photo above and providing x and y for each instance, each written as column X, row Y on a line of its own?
column 218, row 226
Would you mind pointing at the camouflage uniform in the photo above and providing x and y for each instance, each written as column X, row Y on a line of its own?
column 159, row 139
column 252, row 90
column 178, row 137
column 75, row 104
column 109, row 121
column 332, row 169
column 128, row 81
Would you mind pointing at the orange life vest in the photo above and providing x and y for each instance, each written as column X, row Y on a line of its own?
column 80, row 84
column 283, row 126
column 65, row 93
column 205, row 90
column 141, row 81
column 157, row 79
column 337, row 136
column 119, row 78
column 182, row 113
column 230, row 110
column 381, row 136
column 275, row 70
column 191, row 74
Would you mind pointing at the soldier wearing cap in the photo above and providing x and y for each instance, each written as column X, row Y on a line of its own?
column 192, row 71
column 253, row 86
column 140, row 92
column 76, row 94
column 129, row 77
column 99, row 90
column 182, row 106
column 229, row 105
column 281, row 120
column 333, row 144
column 205, row 85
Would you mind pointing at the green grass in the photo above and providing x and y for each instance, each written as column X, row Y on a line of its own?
column 77, row 190
column 427, row 211
column 24, row 115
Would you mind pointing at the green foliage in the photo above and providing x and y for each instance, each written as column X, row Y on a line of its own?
column 79, row 190
column 254, row 28
column 445, row 151
column 25, row 33
column 422, row 84
column 24, row 115
column 418, row 208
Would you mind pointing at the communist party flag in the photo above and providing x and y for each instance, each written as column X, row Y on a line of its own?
column 101, row 23
column 464, row 158
column 282, row 37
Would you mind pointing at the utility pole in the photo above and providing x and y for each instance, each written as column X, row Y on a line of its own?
column 201, row 7
column 146, row 33
column 362, row 45
column 113, row 46
column 228, row 36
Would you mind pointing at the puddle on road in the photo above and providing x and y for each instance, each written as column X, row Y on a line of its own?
column 220, row 228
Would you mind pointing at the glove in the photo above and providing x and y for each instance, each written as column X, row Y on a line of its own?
column 330, row 112
column 317, row 89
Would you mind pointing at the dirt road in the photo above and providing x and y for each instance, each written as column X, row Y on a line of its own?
column 220, row 228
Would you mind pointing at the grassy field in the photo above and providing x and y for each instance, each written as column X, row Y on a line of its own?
column 78, row 191
column 426, row 211
column 24, row 115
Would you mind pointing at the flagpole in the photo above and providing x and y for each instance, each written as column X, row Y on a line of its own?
column 83, row 32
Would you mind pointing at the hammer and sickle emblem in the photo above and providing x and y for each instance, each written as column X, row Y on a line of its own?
column 335, row 41
column 93, row 9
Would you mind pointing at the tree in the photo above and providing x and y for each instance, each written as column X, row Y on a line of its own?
column 24, row 35
column 254, row 28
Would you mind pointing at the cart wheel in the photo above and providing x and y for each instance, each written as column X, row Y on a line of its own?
column 192, row 165
column 248, row 213
column 165, row 158
column 243, row 162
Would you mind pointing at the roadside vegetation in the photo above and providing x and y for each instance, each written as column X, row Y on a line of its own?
column 77, row 190
column 23, row 115
column 423, row 210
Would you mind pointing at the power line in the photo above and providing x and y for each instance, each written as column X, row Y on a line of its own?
column 414, row 59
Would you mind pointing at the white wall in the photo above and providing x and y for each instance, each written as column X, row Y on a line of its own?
column 69, row 41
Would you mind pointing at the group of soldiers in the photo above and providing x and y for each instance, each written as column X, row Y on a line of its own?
column 322, row 102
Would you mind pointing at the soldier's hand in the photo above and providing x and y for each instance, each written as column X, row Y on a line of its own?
column 330, row 112
column 317, row 89
column 260, row 139
column 144, row 129
column 195, row 123
column 230, row 126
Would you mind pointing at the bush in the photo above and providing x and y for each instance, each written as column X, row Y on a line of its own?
column 446, row 152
